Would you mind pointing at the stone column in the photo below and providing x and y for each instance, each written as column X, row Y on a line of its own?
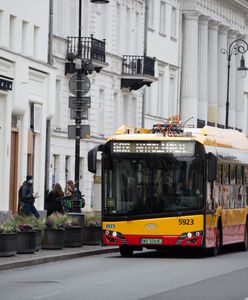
column 212, row 72
column 189, row 68
column 239, row 105
column 203, row 69
column 222, row 75
column 232, row 35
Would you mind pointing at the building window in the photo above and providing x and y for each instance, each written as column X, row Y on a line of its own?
column 101, row 112
column 134, row 110
column 162, row 20
column 118, row 29
column 24, row 37
column 125, row 109
column 36, row 41
column 150, row 13
column 115, row 112
column 174, row 23
column 12, row 32
column 172, row 96
column 160, row 102
column 58, row 113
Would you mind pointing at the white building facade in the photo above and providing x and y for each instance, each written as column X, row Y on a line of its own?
column 27, row 90
column 208, row 27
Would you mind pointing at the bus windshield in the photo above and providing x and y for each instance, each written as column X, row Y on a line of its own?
column 152, row 185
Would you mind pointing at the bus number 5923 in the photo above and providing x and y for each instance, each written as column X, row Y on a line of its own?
column 185, row 221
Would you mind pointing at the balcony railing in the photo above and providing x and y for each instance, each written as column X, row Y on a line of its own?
column 91, row 48
column 138, row 65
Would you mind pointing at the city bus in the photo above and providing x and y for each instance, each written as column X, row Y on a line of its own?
column 183, row 188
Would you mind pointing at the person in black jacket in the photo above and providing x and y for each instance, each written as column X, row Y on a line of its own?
column 28, row 198
column 53, row 203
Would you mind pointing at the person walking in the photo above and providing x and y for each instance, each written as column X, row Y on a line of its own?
column 28, row 198
column 53, row 202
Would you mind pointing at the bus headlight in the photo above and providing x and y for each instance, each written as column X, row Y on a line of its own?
column 114, row 233
column 189, row 234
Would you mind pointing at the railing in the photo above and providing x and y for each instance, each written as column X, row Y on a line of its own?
column 91, row 47
column 134, row 65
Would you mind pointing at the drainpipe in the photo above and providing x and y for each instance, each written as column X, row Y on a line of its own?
column 145, row 53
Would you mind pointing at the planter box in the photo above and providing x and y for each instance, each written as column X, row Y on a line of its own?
column 53, row 239
column 73, row 236
column 25, row 242
column 8, row 244
column 92, row 235
column 38, row 234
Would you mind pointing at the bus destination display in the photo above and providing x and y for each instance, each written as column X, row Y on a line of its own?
column 179, row 148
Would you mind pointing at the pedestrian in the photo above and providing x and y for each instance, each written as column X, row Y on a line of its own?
column 53, row 203
column 69, row 191
column 28, row 198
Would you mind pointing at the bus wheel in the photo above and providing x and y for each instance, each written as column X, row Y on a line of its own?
column 244, row 245
column 126, row 251
column 216, row 250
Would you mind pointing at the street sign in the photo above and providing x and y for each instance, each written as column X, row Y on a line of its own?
column 82, row 114
column 84, row 132
column 85, row 102
column 82, row 84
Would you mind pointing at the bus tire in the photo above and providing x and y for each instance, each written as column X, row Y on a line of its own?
column 126, row 251
column 244, row 245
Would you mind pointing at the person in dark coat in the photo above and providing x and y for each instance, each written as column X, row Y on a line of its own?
column 28, row 198
column 53, row 202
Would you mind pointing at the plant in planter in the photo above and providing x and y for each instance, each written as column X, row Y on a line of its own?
column 26, row 241
column 8, row 238
column 93, row 230
column 53, row 234
column 73, row 232
column 38, row 226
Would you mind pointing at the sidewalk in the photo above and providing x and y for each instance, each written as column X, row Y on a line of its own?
column 45, row 256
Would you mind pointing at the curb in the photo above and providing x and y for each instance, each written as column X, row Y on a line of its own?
column 43, row 260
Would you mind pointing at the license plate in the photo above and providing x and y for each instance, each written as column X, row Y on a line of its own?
column 152, row 241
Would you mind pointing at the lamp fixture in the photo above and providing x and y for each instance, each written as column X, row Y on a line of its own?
column 242, row 64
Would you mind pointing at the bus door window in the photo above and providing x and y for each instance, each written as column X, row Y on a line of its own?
column 240, row 186
column 225, row 186
column 233, row 187
column 217, row 188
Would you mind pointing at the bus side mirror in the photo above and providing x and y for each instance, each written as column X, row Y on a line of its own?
column 212, row 166
column 92, row 156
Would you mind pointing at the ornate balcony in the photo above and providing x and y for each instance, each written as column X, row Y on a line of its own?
column 137, row 71
column 93, row 51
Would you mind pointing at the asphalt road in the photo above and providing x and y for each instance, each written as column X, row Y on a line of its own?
column 147, row 275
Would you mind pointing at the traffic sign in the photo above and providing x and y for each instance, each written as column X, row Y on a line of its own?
column 82, row 114
column 81, row 85
column 85, row 102
column 84, row 132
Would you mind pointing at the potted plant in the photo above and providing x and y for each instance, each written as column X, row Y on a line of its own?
column 25, row 240
column 53, row 233
column 8, row 238
column 92, row 230
column 38, row 226
column 73, row 232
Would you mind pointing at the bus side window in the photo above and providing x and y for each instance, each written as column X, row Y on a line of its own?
column 219, row 174
column 226, row 174
column 246, row 182
column 233, row 174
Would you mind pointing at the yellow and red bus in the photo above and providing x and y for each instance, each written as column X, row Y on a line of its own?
column 184, row 189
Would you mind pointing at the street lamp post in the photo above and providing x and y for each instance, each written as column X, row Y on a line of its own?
column 82, row 71
column 237, row 46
